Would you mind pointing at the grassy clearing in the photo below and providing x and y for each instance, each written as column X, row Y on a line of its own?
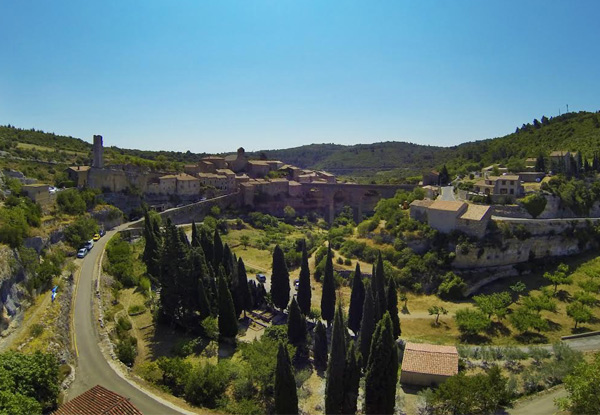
column 27, row 146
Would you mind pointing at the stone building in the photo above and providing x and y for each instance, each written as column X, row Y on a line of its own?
column 428, row 364
column 431, row 178
column 179, row 184
column 447, row 216
column 79, row 175
column 98, row 152
column 37, row 192
column 507, row 187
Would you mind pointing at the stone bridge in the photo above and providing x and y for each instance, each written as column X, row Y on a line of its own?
column 360, row 197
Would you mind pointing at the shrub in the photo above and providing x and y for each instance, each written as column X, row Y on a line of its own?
column 136, row 309
column 534, row 204
column 207, row 383
column 36, row 330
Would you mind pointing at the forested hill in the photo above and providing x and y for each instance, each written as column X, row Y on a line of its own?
column 571, row 132
column 378, row 156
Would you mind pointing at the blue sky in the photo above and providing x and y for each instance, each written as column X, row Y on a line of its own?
column 210, row 76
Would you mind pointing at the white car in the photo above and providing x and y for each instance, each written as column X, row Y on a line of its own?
column 89, row 245
column 82, row 253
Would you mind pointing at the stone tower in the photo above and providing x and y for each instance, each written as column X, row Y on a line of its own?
column 98, row 150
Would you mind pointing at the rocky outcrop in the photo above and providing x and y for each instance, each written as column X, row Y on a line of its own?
column 12, row 294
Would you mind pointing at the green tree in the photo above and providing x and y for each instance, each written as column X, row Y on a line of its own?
column 493, row 304
column 583, row 388
column 320, row 346
column 334, row 386
column 436, row 310
column 451, row 286
column 286, row 395
column 470, row 322
column 13, row 226
column 560, row 276
column 352, row 372
column 534, row 204
column 392, row 307
column 245, row 241
column 218, row 249
column 280, row 280
column 367, row 324
column 524, row 318
column 152, row 247
column 328, row 294
column 357, row 299
column 70, row 201
column 80, row 231
column 378, row 282
column 382, row 370
column 228, row 324
column 296, row 327
column 242, row 290
column 580, row 313
column 304, row 291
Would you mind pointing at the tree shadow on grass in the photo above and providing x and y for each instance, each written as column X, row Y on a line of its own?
column 405, row 310
column 440, row 325
column 497, row 328
column 474, row 339
column 531, row 338
column 580, row 329
column 553, row 326
column 564, row 296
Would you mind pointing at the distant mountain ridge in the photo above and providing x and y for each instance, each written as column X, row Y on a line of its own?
column 385, row 161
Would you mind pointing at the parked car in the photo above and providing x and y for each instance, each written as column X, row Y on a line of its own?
column 96, row 237
column 296, row 283
column 89, row 245
column 82, row 253
column 102, row 232
column 261, row 278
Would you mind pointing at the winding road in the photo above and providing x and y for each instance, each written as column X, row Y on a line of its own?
column 92, row 367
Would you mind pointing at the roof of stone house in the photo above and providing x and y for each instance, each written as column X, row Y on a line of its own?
column 278, row 180
column 258, row 162
column 98, row 401
column 430, row 187
column 294, row 183
column 475, row 212
column 185, row 176
column 430, row 359
column 231, row 157
column 558, row 153
column 533, row 159
column 211, row 158
column 482, row 183
column 423, row 203
column 80, row 168
column 225, row 171
column 447, row 205
column 35, row 185
column 324, row 173
column 434, row 172
column 168, row 176
column 211, row 176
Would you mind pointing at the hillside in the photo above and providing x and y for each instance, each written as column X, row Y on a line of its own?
column 380, row 162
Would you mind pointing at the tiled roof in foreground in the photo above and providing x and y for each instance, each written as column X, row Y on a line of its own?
column 98, row 401
column 430, row 359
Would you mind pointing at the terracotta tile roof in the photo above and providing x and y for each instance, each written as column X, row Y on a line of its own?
column 80, row 168
column 475, row 212
column 447, row 205
column 98, row 401
column 185, row 176
column 430, row 359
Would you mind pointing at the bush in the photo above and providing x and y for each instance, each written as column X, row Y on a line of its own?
column 127, row 349
column 534, row 204
column 207, row 383
column 136, row 309
column 123, row 324
column 36, row 330
column 80, row 231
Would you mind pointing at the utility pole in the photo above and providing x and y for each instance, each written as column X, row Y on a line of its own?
column 567, row 107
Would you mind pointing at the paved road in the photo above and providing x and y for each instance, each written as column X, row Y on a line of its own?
column 553, row 220
column 540, row 404
column 92, row 368
column 447, row 193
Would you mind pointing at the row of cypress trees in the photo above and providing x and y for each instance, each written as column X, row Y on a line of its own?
column 199, row 278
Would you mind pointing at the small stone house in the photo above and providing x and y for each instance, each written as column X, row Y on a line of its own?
column 428, row 364
column 447, row 216
column 37, row 192
column 79, row 175
column 507, row 186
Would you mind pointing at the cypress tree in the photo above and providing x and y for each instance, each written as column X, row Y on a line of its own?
column 285, row 393
column 152, row 248
column 392, row 304
column 328, row 295
column 351, row 379
column 207, row 245
column 172, row 266
column 379, row 289
column 382, row 370
column 228, row 324
column 304, row 292
column 280, row 280
column 296, row 325
column 217, row 249
column 228, row 261
column 320, row 346
column 334, row 386
column 195, row 235
column 367, row 325
column 242, row 288
column 357, row 299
